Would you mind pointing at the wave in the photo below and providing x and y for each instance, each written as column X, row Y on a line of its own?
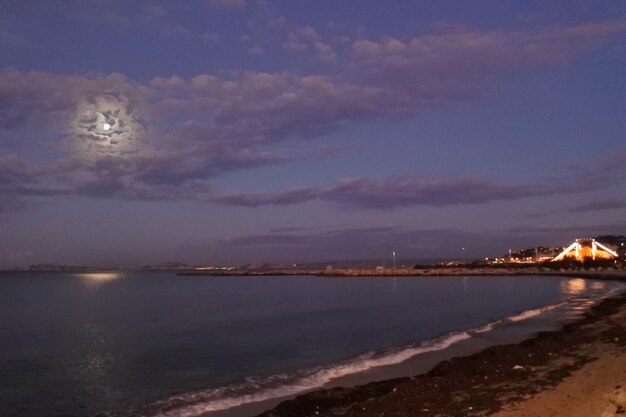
column 524, row 315
column 285, row 385
column 257, row 389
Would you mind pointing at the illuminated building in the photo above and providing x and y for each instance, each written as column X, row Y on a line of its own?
column 584, row 249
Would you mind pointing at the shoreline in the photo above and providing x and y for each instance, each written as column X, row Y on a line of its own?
column 511, row 329
column 604, row 274
column 489, row 381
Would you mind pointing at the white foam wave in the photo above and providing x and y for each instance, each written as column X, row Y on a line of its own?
column 284, row 385
column 534, row 312
column 524, row 315
column 202, row 402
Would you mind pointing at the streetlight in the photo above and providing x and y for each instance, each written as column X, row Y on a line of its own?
column 394, row 260
column 463, row 251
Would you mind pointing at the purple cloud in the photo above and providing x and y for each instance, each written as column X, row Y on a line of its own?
column 600, row 205
column 13, row 39
column 285, row 198
column 169, row 137
column 228, row 4
column 18, row 177
column 345, row 243
column 455, row 52
column 392, row 193
column 407, row 192
column 377, row 242
column 13, row 206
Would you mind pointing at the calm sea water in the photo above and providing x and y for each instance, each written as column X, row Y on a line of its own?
column 152, row 343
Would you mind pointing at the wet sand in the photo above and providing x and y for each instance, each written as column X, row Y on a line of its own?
column 577, row 371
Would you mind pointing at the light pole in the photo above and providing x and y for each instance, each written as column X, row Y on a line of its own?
column 394, row 261
column 463, row 251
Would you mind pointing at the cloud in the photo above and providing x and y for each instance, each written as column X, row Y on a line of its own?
column 46, row 101
column 147, row 16
column 285, row 198
column 228, row 4
column 188, row 131
column 383, row 80
column 392, row 193
column 177, row 31
column 154, row 13
column 456, row 53
column 17, row 176
column 306, row 38
column 563, row 234
column 343, row 243
column 13, row 205
column 105, row 125
column 256, row 50
column 598, row 175
column 600, row 205
column 332, row 243
column 406, row 192
column 304, row 32
column 209, row 37
column 12, row 39
column 325, row 51
column 182, row 32
column 301, row 37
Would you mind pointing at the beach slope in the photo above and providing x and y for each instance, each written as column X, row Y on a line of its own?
column 577, row 371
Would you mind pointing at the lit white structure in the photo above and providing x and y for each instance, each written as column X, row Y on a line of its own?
column 583, row 249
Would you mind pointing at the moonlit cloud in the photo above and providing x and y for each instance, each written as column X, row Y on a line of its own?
column 105, row 126
column 171, row 136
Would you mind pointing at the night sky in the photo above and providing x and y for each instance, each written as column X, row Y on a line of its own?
column 236, row 131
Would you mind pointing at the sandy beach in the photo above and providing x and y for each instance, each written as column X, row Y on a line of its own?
column 577, row 371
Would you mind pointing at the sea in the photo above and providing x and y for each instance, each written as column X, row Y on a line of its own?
column 154, row 344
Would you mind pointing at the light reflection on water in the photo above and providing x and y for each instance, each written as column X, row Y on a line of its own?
column 582, row 293
column 598, row 285
column 98, row 278
column 574, row 286
column 96, row 363
column 95, row 357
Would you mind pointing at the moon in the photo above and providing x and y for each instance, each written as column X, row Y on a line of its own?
column 105, row 125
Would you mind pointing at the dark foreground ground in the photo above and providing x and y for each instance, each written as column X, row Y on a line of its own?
column 533, row 378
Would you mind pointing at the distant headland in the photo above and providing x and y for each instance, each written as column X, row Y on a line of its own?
column 604, row 254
